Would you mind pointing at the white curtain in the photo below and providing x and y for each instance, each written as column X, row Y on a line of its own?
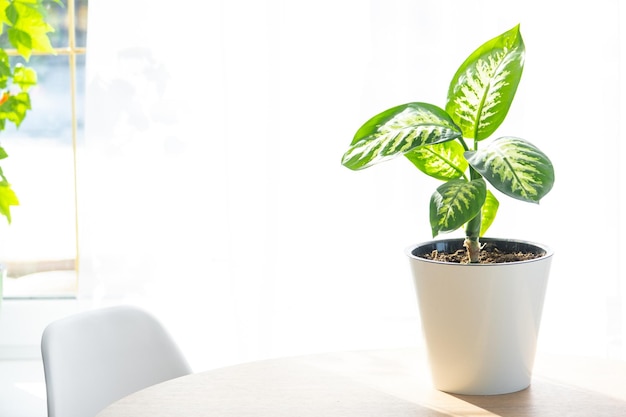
column 211, row 187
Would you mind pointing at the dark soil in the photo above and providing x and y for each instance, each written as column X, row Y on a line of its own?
column 488, row 254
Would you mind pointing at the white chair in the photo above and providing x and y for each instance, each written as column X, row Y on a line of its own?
column 94, row 358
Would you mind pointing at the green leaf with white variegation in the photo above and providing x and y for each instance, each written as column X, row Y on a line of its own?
column 481, row 91
column 443, row 161
column 514, row 167
column 488, row 212
column 455, row 203
column 397, row 131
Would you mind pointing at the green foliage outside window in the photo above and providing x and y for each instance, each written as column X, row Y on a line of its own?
column 23, row 24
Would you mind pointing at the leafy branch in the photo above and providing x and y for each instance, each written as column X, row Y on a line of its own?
column 23, row 23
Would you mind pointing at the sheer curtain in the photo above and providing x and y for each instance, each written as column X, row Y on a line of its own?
column 210, row 184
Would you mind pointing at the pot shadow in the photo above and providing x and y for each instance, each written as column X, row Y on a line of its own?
column 549, row 398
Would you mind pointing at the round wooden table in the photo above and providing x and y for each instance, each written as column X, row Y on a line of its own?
column 385, row 383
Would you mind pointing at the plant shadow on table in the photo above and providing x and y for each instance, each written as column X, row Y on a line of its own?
column 548, row 398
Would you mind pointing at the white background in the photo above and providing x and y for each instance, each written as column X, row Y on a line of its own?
column 211, row 184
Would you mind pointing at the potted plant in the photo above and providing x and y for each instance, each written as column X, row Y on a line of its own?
column 24, row 28
column 480, row 299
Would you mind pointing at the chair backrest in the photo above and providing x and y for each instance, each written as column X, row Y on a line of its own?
column 92, row 359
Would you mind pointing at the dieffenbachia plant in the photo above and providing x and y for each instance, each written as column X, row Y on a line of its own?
column 23, row 24
column 449, row 144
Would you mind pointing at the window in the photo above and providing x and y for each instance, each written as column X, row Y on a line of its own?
column 39, row 247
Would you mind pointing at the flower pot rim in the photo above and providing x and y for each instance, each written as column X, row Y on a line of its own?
column 409, row 251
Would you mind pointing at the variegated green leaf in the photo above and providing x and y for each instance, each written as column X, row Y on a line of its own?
column 397, row 131
column 514, row 167
column 444, row 161
column 488, row 212
column 455, row 203
column 483, row 87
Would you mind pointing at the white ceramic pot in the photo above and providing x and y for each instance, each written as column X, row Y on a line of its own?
column 480, row 321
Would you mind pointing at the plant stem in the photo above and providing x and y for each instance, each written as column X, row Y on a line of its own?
column 472, row 230
column 471, row 242
column 464, row 144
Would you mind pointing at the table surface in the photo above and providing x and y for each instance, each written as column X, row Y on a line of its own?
column 379, row 383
